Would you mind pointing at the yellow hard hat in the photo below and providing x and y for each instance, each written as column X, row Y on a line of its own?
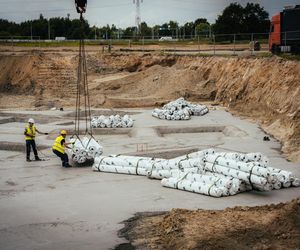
column 63, row 132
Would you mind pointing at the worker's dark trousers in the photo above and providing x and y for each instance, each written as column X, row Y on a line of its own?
column 64, row 157
column 29, row 144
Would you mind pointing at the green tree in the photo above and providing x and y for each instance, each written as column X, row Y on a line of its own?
column 201, row 20
column 129, row 32
column 231, row 19
column 188, row 29
column 164, row 30
column 202, row 29
column 173, row 27
column 156, row 29
column 146, row 31
column 238, row 19
column 256, row 19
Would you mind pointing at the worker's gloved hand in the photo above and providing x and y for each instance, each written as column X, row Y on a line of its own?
column 46, row 133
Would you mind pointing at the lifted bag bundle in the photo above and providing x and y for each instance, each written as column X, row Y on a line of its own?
column 85, row 150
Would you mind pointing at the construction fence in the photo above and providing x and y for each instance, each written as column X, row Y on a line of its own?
column 232, row 44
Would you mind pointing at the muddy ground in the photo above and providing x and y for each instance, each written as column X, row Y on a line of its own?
column 265, row 227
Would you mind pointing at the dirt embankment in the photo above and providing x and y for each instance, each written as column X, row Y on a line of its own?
column 266, row 227
column 18, row 74
column 266, row 90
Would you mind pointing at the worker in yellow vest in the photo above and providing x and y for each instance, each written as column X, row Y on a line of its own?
column 30, row 133
column 59, row 146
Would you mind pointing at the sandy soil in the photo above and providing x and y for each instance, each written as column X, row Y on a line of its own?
column 266, row 227
column 266, row 90
column 99, row 48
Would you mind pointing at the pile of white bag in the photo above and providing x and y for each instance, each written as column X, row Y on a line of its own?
column 85, row 149
column 113, row 121
column 205, row 172
column 179, row 109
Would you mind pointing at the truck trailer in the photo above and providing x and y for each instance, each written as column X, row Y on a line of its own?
column 285, row 31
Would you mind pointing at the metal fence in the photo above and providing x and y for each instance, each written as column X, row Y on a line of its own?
column 232, row 44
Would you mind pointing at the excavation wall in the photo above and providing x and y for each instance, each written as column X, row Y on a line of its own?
column 266, row 89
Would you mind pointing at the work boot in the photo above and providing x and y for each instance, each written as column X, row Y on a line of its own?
column 28, row 160
column 67, row 165
column 38, row 158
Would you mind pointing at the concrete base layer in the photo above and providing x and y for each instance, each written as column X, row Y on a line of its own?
column 44, row 206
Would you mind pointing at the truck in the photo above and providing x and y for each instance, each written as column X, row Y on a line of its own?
column 60, row 38
column 285, row 31
column 166, row 38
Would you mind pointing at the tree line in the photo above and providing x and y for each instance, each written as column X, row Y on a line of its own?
column 234, row 19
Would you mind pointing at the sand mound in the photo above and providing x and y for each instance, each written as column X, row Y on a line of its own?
column 266, row 227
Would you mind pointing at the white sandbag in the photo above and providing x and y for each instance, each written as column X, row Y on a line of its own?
column 192, row 187
column 113, row 121
column 206, row 172
column 85, row 149
column 251, row 167
column 296, row 182
column 120, row 170
column 247, row 177
column 179, row 110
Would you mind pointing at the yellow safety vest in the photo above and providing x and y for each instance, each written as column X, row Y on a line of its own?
column 30, row 131
column 57, row 144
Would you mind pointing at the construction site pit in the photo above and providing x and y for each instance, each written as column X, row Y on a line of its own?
column 45, row 206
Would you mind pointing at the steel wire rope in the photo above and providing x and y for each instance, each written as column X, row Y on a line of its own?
column 88, row 106
column 82, row 88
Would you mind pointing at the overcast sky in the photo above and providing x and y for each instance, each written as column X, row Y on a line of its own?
column 122, row 12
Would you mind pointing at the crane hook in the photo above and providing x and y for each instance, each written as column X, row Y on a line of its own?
column 81, row 7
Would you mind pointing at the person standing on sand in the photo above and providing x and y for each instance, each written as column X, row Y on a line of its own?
column 30, row 133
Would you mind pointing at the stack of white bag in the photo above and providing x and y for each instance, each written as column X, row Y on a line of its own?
column 179, row 110
column 205, row 172
column 124, row 164
column 86, row 149
column 113, row 121
column 251, row 173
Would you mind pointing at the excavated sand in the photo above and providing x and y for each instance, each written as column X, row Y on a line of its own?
column 266, row 89
column 265, row 227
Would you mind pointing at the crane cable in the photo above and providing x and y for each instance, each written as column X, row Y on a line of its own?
column 82, row 88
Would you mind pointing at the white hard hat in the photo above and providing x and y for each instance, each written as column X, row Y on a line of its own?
column 31, row 120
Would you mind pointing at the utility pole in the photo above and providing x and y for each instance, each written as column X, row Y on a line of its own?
column 138, row 15
column 95, row 33
column 31, row 30
column 152, row 30
column 49, row 29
